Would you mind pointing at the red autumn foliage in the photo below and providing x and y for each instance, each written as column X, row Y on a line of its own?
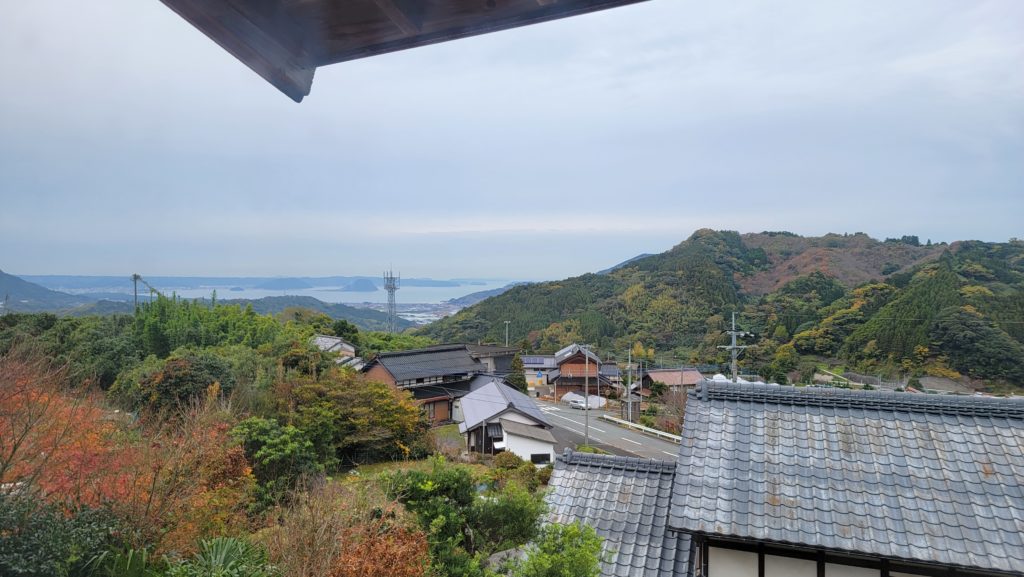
column 375, row 550
column 173, row 482
column 50, row 437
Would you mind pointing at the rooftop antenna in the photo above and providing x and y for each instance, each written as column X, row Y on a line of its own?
column 734, row 348
column 391, row 284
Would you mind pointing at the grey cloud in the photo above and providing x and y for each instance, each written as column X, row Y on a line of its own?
column 886, row 118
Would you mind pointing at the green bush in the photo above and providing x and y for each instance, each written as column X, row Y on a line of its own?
column 42, row 540
column 463, row 527
column 126, row 563
column 506, row 519
column 507, row 460
column 280, row 455
column 544, row 475
column 225, row 557
column 563, row 551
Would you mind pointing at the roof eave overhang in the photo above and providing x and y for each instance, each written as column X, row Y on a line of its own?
column 286, row 53
column 810, row 548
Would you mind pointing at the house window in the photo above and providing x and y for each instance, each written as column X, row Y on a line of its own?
column 430, row 410
column 730, row 559
column 776, row 566
column 540, row 458
column 731, row 563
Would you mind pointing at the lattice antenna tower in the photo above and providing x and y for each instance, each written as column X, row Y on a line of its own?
column 391, row 284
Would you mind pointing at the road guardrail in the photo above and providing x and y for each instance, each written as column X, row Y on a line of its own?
column 643, row 429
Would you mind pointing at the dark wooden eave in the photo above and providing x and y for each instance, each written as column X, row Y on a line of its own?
column 284, row 41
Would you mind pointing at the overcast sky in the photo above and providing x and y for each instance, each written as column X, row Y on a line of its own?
column 129, row 142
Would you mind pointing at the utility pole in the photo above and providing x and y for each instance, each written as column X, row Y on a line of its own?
column 640, row 390
column 586, row 396
column 135, row 286
column 506, row 333
column 735, row 349
column 629, row 387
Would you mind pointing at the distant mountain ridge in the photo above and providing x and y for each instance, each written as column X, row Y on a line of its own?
column 624, row 263
column 473, row 298
column 893, row 306
column 24, row 296
column 27, row 297
column 171, row 283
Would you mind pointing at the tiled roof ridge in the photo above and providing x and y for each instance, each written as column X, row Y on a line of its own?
column 570, row 457
column 857, row 399
column 422, row 351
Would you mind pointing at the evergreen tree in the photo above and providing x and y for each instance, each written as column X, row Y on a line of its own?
column 517, row 378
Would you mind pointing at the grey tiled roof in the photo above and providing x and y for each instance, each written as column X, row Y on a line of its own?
column 925, row 478
column 627, row 501
column 571, row 350
column 494, row 399
column 428, row 362
column 542, row 362
column 528, row 431
column 332, row 344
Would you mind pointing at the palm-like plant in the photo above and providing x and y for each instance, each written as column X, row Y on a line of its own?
column 126, row 563
column 225, row 557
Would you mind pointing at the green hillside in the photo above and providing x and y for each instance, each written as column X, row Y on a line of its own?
column 23, row 296
column 894, row 307
column 364, row 318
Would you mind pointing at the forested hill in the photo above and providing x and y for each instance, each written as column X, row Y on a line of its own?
column 896, row 306
column 20, row 295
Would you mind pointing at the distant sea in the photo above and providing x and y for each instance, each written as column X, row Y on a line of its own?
column 412, row 294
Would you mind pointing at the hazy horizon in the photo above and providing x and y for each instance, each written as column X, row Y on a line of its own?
column 133, row 143
column 458, row 277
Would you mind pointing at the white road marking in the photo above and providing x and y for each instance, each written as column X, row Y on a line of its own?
column 592, row 427
column 568, row 419
column 667, row 453
column 634, row 442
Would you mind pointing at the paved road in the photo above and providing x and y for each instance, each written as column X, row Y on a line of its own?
column 569, row 432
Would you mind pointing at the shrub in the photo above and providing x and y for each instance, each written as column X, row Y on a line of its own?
column 507, row 460
column 506, row 519
column 563, row 551
column 225, row 557
column 40, row 540
column 181, row 378
column 349, row 419
column 461, row 526
column 338, row 521
column 375, row 549
column 126, row 563
column 280, row 455
column 544, row 474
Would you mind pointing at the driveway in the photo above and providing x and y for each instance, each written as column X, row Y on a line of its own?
column 570, row 427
